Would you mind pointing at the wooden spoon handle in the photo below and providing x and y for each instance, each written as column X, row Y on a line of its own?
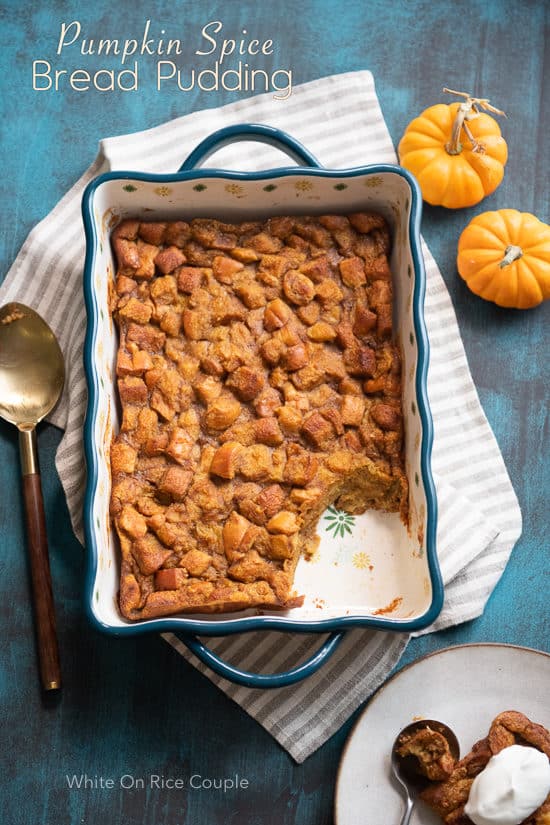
column 44, row 615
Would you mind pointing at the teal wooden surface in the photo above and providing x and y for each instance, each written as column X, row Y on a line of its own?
column 135, row 707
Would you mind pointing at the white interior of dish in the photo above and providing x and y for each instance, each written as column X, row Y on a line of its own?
column 365, row 565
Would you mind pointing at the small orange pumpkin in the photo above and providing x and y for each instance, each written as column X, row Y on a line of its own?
column 456, row 152
column 504, row 257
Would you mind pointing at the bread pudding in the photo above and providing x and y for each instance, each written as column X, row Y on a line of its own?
column 430, row 751
column 258, row 383
column 449, row 798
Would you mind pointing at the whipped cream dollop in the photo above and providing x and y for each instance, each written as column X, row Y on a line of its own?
column 514, row 783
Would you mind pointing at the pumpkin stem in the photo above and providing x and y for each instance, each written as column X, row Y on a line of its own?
column 468, row 110
column 511, row 254
column 476, row 146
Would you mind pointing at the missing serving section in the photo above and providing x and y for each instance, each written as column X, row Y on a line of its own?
column 259, row 383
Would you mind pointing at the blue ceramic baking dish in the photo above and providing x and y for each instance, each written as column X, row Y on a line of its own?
column 371, row 570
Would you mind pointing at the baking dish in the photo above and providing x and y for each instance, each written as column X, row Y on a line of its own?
column 370, row 570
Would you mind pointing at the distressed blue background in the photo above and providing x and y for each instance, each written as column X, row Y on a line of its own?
column 135, row 706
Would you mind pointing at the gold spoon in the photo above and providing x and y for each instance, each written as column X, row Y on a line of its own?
column 405, row 768
column 31, row 379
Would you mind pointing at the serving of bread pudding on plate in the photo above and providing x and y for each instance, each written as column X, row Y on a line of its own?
column 259, row 383
column 504, row 778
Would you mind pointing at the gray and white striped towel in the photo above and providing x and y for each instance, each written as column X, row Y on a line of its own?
column 339, row 119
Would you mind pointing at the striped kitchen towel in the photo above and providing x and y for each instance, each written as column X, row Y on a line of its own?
column 339, row 119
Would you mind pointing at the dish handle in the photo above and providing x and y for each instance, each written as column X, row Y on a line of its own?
column 258, row 132
column 261, row 680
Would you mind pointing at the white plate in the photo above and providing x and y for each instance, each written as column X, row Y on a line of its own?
column 465, row 687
